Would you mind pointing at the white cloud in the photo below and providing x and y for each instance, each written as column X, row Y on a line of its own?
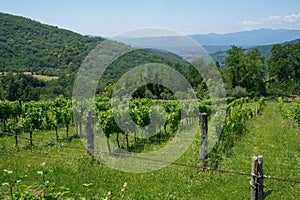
column 273, row 20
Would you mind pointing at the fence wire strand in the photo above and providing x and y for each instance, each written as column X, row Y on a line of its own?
column 153, row 160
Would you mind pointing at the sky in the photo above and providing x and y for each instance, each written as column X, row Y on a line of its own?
column 111, row 17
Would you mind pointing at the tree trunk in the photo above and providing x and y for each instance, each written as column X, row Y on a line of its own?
column 134, row 135
column 118, row 142
column 127, row 143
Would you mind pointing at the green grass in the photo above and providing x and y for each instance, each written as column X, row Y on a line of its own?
column 268, row 135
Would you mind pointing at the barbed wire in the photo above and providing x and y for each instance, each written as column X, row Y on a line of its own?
column 154, row 160
column 280, row 158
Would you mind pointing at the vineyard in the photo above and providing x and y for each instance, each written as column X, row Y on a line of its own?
column 29, row 117
column 52, row 121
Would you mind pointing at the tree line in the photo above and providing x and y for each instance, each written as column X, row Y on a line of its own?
column 248, row 73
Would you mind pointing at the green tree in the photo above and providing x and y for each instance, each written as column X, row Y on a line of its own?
column 245, row 71
column 253, row 78
column 279, row 67
column 284, row 69
column 234, row 67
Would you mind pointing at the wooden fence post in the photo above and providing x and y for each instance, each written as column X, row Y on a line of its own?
column 253, row 184
column 257, row 181
column 89, row 132
column 204, row 140
column 260, row 179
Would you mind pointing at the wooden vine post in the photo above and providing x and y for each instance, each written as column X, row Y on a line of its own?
column 80, row 119
column 204, row 140
column 89, row 132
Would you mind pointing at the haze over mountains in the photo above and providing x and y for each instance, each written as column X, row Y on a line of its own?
column 214, row 42
column 248, row 38
column 217, row 44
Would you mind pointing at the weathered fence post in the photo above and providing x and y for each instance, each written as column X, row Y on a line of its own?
column 204, row 140
column 89, row 132
column 260, row 179
column 253, row 184
column 257, row 181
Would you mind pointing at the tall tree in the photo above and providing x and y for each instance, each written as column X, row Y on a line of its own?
column 284, row 69
column 255, row 70
column 245, row 70
column 278, row 64
column 234, row 68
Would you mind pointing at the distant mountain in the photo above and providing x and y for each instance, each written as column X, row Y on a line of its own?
column 217, row 44
column 247, row 38
column 213, row 42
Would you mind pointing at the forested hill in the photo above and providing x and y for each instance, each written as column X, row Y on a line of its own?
column 27, row 45
column 264, row 49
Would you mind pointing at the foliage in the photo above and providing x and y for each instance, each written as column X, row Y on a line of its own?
column 35, row 115
column 291, row 112
column 151, row 58
column 238, row 113
column 20, row 86
column 245, row 70
column 27, row 45
column 43, row 190
column 294, row 111
column 284, row 69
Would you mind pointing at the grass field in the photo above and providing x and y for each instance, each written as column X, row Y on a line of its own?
column 268, row 134
column 38, row 76
column 42, row 77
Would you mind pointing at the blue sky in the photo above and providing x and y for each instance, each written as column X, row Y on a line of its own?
column 111, row 17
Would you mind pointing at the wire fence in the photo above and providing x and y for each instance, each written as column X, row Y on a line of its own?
column 241, row 173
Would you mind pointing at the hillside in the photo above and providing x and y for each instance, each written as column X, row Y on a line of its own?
column 35, row 48
column 264, row 49
column 27, row 45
